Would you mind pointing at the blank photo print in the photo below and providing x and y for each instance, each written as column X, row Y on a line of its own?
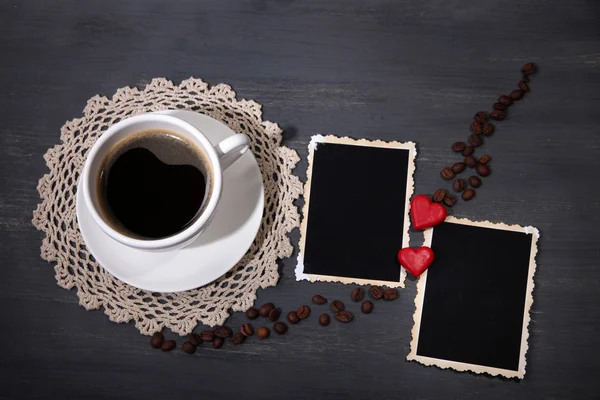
column 472, row 305
column 356, row 211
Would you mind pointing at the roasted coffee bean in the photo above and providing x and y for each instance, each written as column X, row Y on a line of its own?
column 357, row 294
column 188, row 347
column 218, row 343
column 468, row 151
column 459, row 185
column 488, row 129
column 477, row 128
column 459, row 146
column 318, row 299
column 265, row 309
column 274, row 314
column 450, row 200
column 438, row 197
column 280, row 328
column 303, row 312
column 483, row 115
column 498, row 115
column 263, row 332
column 376, row 292
column 474, row 181
column 223, row 332
column 344, row 316
column 157, row 340
column 293, row 318
column 504, row 99
column 238, row 338
column 483, row 170
column 252, row 313
column 500, row 106
column 528, row 68
column 168, row 345
column 479, row 120
column 468, row 194
column 366, row 307
column 523, row 86
column 324, row 319
column 525, row 79
column 336, row 306
column 447, row 174
column 207, row 336
column 470, row 161
column 458, row 167
column 390, row 294
column 476, row 140
column 485, row 159
column 517, row 94
column 247, row 330
column 194, row 339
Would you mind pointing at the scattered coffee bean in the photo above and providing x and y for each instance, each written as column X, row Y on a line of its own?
column 488, row 129
column 274, row 314
column 528, row 68
column 483, row 170
column 504, row 99
column 218, row 343
column 194, row 339
column 450, row 200
column 483, row 115
column 344, row 316
column 523, row 86
column 476, row 140
column 459, row 185
column 324, row 319
column 477, row 128
column 263, row 332
column 468, row 151
column 293, row 318
column 207, row 336
column 376, row 292
column 168, row 345
column 438, row 197
column 500, row 106
column 303, row 312
column 188, row 347
column 517, row 94
column 366, row 307
column 337, row 306
column 459, row 146
column 390, row 294
column 525, row 79
column 157, row 340
column 468, row 194
column 498, row 115
column 238, row 338
column 447, row 174
column 280, row 328
column 485, row 159
column 358, row 293
column 474, row 181
column 265, row 309
column 247, row 330
column 458, row 167
column 470, row 161
column 318, row 299
column 223, row 332
column 252, row 313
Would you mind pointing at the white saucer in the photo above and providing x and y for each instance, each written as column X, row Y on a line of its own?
column 216, row 251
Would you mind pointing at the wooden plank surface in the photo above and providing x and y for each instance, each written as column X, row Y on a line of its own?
column 392, row 70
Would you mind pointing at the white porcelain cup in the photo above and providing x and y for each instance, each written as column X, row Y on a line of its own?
column 219, row 157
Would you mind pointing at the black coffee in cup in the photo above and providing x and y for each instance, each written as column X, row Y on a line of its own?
column 153, row 184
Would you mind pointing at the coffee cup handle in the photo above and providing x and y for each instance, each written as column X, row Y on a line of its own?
column 232, row 148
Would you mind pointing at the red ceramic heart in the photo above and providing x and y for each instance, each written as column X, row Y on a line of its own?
column 415, row 261
column 426, row 214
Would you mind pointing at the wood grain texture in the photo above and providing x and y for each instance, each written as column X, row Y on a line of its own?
column 392, row 70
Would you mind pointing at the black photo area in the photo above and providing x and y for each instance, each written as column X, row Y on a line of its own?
column 356, row 211
column 475, row 296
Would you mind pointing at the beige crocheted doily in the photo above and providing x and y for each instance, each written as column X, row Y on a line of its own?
column 180, row 312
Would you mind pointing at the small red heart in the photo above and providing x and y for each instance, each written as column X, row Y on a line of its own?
column 426, row 214
column 415, row 261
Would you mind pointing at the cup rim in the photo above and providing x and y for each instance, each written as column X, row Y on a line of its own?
column 180, row 237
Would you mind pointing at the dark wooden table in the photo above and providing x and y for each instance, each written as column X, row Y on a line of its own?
column 395, row 70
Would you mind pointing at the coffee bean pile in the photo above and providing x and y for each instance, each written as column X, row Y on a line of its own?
column 480, row 127
column 218, row 335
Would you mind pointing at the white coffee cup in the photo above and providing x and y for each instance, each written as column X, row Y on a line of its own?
column 219, row 157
